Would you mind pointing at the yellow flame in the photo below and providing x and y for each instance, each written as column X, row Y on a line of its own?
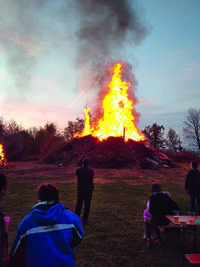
column 117, row 119
column 2, row 156
column 87, row 127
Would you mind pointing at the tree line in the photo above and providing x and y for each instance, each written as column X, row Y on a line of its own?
column 33, row 143
column 36, row 143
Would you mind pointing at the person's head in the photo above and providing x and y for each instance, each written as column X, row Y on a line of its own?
column 3, row 184
column 194, row 164
column 155, row 188
column 86, row 162
column 47, row 192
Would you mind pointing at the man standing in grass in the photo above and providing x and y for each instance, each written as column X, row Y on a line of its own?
column 85, row 187
column 192, row 185
column 47, row 235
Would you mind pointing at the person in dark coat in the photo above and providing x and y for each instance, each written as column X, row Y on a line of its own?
column 160, row 206
column 85, row 187
column 4, row 258
column 192, row 186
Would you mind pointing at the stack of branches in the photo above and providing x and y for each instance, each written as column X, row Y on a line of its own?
column 112, row 153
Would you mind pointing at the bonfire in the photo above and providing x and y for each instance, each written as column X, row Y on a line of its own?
column 2, row 156
column 118, row 112
column 112, row 140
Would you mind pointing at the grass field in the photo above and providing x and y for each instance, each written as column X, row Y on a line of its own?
column 114, row 235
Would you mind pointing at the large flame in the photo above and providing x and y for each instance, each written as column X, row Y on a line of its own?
column 117, row 119
column 2, row 156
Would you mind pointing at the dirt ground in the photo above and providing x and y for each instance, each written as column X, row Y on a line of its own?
column 30, row 170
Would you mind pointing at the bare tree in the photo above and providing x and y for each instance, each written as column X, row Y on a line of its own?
column 12, row 127
column 73, row 127
column 191, row 130
column 173, row 141
column 1, row 129
column 154, row 134
column 47, row 139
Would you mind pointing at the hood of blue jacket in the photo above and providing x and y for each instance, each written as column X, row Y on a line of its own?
column 48, row 217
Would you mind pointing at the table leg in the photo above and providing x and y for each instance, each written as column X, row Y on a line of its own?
column 195, row 239
column 184, row 230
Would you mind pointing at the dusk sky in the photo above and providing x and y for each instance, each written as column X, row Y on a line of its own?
column 54, row 54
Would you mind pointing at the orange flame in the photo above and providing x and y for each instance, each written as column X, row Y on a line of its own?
column 2, row 156
column 117, row 119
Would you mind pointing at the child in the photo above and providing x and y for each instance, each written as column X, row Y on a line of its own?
column 147, row 216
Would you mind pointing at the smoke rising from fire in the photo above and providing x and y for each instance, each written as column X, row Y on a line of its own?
column 106, row 28
column 37, row 31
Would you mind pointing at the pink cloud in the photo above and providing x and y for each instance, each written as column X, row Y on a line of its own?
column 29, row 115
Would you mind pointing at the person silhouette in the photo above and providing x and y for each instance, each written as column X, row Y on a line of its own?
column 85, row 187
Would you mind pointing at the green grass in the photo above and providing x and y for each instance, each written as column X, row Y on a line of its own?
column 114, row 234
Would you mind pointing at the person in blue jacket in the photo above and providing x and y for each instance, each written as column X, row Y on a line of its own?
column 47, row 235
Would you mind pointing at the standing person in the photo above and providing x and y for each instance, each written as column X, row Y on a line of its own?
column 192, row 185
column 47, row 235
column 85, row 187
column 160, row 206
column 4, row 259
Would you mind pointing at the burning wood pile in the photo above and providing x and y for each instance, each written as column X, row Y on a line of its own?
column 113, row 140
column 2, row 156
column 113, row 152
column 118, row 116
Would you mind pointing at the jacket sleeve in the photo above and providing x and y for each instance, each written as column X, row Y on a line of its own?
column 17, row 253
column 78, row 233
column 146, row 214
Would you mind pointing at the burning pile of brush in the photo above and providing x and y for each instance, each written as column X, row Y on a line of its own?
column 112, row 153
column 112, row 140
column 2, row 156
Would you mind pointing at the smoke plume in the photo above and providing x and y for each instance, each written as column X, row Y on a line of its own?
column 106, row 27
column 89, row 35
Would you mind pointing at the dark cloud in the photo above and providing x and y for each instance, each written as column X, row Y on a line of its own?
column 106, row 24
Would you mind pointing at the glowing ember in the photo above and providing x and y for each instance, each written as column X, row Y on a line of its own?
column 2, row 156
column 117, row 119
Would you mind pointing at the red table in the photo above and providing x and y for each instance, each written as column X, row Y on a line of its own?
column 187, row 220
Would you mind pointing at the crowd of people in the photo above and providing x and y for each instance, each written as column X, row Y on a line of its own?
column 47, row 235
